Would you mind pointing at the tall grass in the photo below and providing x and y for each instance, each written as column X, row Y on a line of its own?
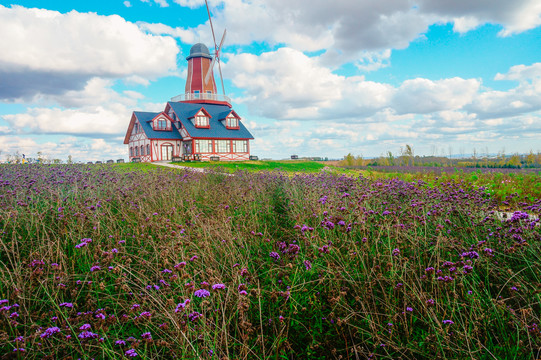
column 312, row 266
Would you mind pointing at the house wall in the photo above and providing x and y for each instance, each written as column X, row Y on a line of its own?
column 137, row 139
column 156, row 148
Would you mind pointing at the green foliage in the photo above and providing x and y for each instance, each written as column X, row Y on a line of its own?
column 261, row 165
column 315, row 266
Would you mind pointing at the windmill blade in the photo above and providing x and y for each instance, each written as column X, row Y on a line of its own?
column 221, row 77
column 216, row 58
column 211, row 27
column 209, row 71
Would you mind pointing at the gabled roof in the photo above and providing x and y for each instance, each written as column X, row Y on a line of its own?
column 223, row 115
column 216, row 112
column 145, row 119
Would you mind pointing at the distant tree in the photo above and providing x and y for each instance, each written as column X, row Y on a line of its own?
column 70, row 160
column 390, row 158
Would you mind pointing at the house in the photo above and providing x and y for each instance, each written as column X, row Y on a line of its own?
column 198, row 124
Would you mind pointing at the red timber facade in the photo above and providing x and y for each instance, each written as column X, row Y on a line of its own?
column 198, row 124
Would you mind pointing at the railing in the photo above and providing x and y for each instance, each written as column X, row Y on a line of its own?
column 202, row 96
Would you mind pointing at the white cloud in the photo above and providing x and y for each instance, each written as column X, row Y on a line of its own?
column 521, row 73
column 424, row 96
column 515, row 16
column 49, row 52
column 127, row 4
column 287, row 84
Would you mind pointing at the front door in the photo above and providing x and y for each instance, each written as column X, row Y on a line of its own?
column 167, row 152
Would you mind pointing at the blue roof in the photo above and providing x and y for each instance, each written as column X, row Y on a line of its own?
column 145, row 119
column 217, row 130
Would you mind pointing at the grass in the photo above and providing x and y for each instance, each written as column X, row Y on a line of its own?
column 266, row 165
column 313, row 265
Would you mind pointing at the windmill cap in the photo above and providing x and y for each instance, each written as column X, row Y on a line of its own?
column 199, row 50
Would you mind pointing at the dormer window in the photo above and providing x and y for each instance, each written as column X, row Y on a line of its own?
column 231, row 122
column 161, row 124
column 201, row 119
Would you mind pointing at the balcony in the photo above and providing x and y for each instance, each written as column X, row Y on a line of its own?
column 201, row 97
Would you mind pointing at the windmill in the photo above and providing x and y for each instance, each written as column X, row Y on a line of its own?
column 217, row 49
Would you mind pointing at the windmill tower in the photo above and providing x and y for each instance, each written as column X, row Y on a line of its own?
column 200, row 83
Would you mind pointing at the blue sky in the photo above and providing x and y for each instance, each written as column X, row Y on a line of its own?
column 313, row 78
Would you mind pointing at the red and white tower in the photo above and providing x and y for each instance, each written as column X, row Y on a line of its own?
column 200, row 80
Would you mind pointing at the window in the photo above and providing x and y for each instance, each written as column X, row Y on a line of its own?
column 223, row 146
column 240, row 146
column 196, row 94
column 201, row 121
column 148, row 149
column 161, row 124
column 131, row 152
column 142, row 150
column 137, row 151
column 231, row 122
column 203, row 146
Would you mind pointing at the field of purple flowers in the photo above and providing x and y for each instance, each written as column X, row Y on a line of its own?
column 99, row 262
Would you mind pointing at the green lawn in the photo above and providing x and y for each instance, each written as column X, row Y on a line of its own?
column 284, row 165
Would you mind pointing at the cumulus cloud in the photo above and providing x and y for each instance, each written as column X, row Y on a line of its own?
column 422, row 96
column 288, row 84
column 49, row 52
column 348, row 30
column 515, row 16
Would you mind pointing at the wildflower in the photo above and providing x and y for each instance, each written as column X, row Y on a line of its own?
column 430, row 302
column 166, row 271
column 450, row 322
column 201, row 293
column 307, row 264
column 50, row 332
column 193, row 258
column 396, row 252
column 244, row 272
column 274, row 255
column 194, row 316
column 243, row 292
column 131, row 353
column 429, row 270
column 85, row 327
column 489, row 251
column 218, row 286
column 180, row 265
column 409, row 309
column 95, row 268
column 182, row 305
column 14, row 315
column 87, row 335
column 470, row 254
column 146, row 336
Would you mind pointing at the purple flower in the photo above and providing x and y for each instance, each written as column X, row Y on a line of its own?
column 202, row 293
column 120, row 342
column 274, row 255
column 87, row 335
column 430, row 302
column 218, row 286
column 146, row 336
column 182, row 305
column 307, row 264
column 194, row 316
column 450, row 322
column 396, row 252
column 131, row 353
column 243, row 292
column 50, row 332
column 95, row 268
column 85, row 327
column 409, row 309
